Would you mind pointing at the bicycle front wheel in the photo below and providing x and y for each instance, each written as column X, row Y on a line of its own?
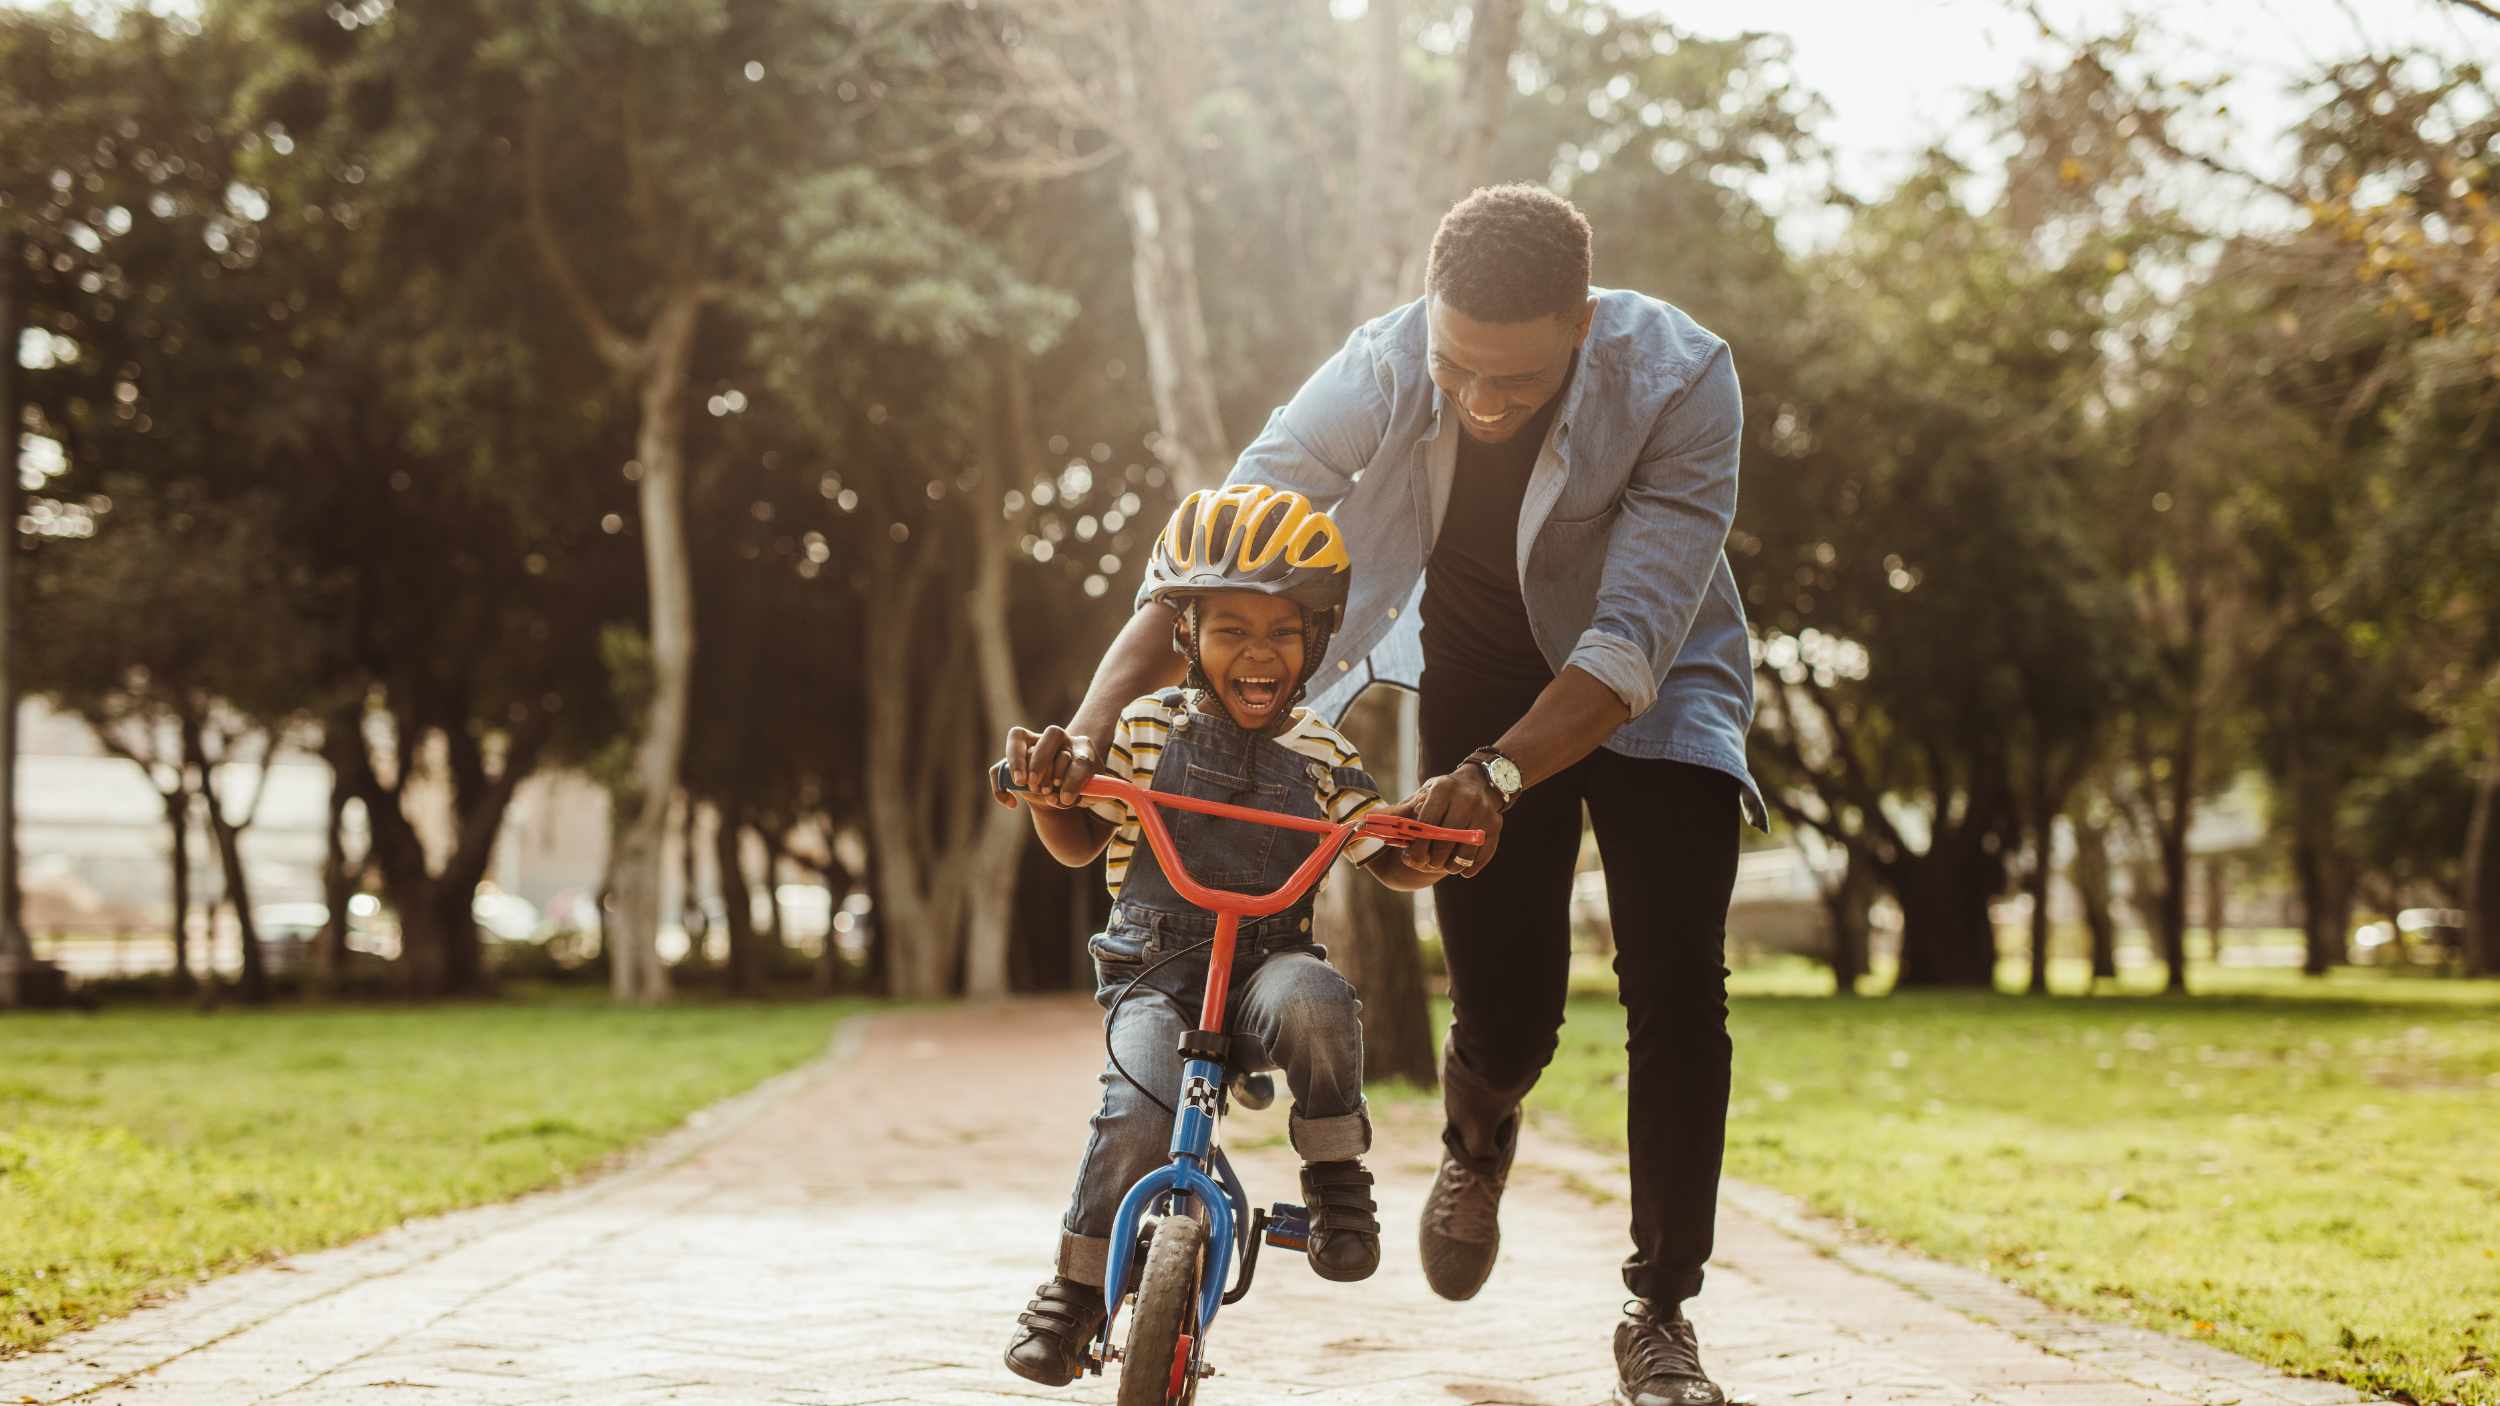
column 1163, row 1321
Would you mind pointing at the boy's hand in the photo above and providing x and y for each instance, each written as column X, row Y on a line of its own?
column 1051, row 766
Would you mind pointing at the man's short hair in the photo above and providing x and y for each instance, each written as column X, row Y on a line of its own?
column 1510, row 253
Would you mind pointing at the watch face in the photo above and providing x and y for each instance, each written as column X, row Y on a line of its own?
column 1505, row 773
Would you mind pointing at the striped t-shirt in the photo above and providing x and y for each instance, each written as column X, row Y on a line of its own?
column 1138, row 742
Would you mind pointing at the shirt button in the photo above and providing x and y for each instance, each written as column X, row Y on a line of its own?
column 1344, row 664
column 1393, row 612
column 1306, row 925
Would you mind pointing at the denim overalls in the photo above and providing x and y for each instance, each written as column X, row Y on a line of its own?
column 1284, row 994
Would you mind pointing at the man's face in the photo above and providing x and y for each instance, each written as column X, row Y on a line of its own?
column 1250, row 647
column 1500, row 374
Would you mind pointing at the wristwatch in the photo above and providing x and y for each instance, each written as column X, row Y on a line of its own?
column 1500, row 770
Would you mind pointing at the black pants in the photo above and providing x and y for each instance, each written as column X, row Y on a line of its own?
column 1667, row 833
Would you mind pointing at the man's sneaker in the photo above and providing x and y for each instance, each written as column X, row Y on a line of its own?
column 1658, row 1361
column 1052, row 1332
column 1462, row 1230
column 1345, row 1224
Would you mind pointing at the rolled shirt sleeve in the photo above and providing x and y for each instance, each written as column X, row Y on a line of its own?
column 1666, row 542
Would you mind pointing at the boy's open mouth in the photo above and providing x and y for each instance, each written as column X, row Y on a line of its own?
column 1257, row 693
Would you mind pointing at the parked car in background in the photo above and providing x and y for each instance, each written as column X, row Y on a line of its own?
column 505, row 917
column 2415, row 937
column 289, row 930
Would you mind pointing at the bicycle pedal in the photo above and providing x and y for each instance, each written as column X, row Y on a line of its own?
column 1289, row 1226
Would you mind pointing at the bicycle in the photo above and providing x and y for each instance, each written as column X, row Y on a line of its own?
column 1193, row 1212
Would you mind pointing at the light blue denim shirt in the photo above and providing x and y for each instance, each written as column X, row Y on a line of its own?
column 1622, row 533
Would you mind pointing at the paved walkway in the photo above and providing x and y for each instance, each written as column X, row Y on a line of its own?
column 864, row 1230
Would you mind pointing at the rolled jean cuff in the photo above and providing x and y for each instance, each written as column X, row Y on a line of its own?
column 1336, row 1139
column 1083, row 1258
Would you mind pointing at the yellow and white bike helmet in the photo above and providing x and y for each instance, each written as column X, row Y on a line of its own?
column 1249, row 537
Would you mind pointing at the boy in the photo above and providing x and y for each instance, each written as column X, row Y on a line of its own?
column 1261, row 577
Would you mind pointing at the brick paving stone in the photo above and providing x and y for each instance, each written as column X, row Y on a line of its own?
column 862, row 1232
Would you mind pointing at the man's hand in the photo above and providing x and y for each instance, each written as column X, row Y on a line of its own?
column 1462, row 800
column 1051, row 766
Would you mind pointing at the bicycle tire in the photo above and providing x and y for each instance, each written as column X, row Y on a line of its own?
column 1165, row 1308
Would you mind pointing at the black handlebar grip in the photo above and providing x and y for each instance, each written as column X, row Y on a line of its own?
column 1003, row 777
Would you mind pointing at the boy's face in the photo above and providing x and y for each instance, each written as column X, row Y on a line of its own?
column 1250, row 648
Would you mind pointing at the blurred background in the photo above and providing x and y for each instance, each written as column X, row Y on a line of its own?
column 533, row 515
column 575, row 490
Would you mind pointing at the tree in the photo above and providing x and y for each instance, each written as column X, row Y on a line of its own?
column 160, row 633
column 1914, row 565
column 68, row 99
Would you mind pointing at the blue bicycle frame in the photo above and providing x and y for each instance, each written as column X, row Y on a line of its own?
column 1193, row 1153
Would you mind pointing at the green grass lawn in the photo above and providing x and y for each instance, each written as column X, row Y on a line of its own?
column 2307, row 1173
column 143, row 1149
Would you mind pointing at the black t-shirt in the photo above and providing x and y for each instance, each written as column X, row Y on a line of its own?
column 1475, row 622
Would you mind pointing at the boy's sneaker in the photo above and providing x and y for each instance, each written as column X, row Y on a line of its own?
column 1051, row 1333
column 1345, row 1225
column 1462, row 1228
column 1658, row 1360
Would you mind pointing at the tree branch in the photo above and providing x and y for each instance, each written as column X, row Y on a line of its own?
column 622, row 354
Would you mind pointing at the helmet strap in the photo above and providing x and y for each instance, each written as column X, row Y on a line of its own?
column 1315, row 637
column 1196, row 677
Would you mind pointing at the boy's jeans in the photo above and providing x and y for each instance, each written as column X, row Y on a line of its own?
column 1291, row 1001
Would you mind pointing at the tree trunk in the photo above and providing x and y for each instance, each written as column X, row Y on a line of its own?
column 2172, row 910
column 1946, row 940
column 339, row 878
column 1370, row 928
column 19, row 978
column 659, row 446
column 2090, row 876
column 2323, row 879
column 2218, row 900
column 178, row 829
column 1846, row 905
column 737, row 900
column 2043, row 846
column 1384, row 227
column 2172, row 928
column 635, row 973
column 690, row 912
column 917, row 917
column 229, row 840
column 837, row 880
column 2482, row 870
column 435, row 927
column 439, row 950
column 1162, row 64
column 998, row 835
column 989, row 906
column 255, row 988
column 1484, row 89
column 775, row 939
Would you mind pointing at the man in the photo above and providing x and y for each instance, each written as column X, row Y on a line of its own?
column 1538, row 478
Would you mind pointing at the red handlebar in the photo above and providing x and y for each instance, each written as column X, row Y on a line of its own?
column 1389, row 829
